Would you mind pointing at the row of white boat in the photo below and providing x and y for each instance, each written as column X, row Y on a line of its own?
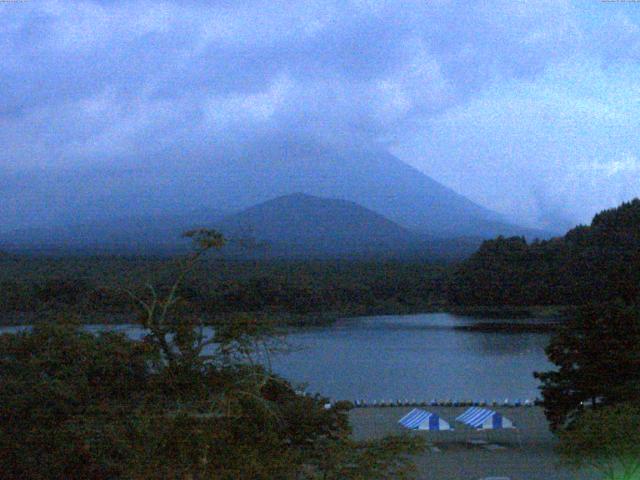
column 445, row 403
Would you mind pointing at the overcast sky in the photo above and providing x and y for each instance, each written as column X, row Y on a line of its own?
column 530, row 108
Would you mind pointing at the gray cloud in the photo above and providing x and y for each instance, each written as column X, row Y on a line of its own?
column 481, row 97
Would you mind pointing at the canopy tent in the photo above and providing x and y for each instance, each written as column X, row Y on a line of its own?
column 418, row 419
column 484, row 419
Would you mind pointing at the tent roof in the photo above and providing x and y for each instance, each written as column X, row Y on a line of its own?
column 476, row 417
column 417, row 417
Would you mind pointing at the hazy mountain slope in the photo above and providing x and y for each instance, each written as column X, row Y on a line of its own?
column 293, row 226
column 145, row 234
column 371, row 178
column 230, row 179
column 301, row 224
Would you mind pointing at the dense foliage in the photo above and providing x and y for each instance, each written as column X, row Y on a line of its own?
column 607, row 440
column 68, row 395
column 95, row 287
column 597, row 358
column 598, row 263
column 592, row 396
column 180, row 403
column 74, row 405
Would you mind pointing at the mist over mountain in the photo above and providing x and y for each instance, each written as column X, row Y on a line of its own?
column 234, row 178
column 371, row 177
column 161, row 195
column 149, row 234
column 526, row 117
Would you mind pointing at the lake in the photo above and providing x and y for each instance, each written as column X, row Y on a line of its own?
column 415, row 357
column 419, row 357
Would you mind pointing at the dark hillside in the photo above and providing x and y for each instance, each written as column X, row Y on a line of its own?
column 248, row 173
column 595, row 263
column 304, row 225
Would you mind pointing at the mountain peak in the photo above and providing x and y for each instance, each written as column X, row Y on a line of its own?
column 311, row 225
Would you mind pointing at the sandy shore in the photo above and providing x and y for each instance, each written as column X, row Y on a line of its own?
column 530, row 456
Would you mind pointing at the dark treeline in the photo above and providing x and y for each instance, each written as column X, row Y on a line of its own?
column 596, row 263
column 292, row 289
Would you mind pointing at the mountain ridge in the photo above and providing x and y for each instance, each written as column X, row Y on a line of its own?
column 251, row 172
column 297, row 225
column 307, row 225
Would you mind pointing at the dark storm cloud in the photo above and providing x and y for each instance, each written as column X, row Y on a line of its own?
column 120, row 85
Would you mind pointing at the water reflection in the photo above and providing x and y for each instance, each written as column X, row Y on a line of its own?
column 406, row 357
column 416, row 356
column 492, row 343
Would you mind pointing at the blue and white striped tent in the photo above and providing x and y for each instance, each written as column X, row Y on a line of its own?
column 418, row 419
column 484, row 419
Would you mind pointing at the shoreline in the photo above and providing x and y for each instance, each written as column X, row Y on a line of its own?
column 543, row 319
column 527, row 403
column 528, row 454
column 538, row 312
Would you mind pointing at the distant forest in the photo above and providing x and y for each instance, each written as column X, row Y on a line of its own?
column 289, row 291
column 596, row 263
column 590, row 264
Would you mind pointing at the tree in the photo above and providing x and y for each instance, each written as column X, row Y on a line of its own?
column 494, row 275
column 607, row 440
column 597, row 354
column 284, row 434
column 184, row 402
column 69, row 402
column 595, row 263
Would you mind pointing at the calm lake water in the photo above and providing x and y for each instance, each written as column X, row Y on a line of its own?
column 415, row 357
column 410, row 357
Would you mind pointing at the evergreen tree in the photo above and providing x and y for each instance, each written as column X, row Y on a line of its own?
column 596, row 263
column 597, row 354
